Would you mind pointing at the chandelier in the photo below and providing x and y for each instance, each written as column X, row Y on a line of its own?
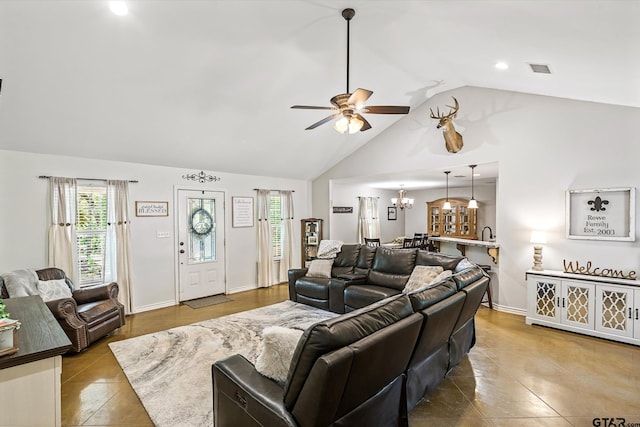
column 402, row 201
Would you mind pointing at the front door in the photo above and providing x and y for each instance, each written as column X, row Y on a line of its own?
column 200, row 243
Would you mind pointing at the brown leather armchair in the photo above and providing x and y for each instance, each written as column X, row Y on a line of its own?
column 91, row 313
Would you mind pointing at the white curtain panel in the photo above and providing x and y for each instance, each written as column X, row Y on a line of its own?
column 374, row 227
column 62, row 232
column 118, row 253
column 362, row 219
column 286, row 205
column 368, row 218
column 265, row 251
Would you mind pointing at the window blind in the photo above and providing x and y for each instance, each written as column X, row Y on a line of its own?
column 275, row 218
column 91, row 232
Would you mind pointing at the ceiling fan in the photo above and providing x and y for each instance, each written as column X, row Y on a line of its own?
column 349, row 107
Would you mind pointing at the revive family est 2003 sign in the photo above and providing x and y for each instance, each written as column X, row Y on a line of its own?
column 601, row 214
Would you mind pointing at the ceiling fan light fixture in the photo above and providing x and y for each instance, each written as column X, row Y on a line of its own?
column 355, row 124
column 349, row 107
column 348, row 125
column 342, row 124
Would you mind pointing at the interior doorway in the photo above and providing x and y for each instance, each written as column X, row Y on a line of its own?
column 200, row 244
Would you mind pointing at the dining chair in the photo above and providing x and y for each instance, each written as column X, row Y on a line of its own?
column 420, row 240
column 408, row 243
column 374, row 241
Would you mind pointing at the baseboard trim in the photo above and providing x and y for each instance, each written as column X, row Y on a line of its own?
column 507, row 309
column 241, row 289
column 153, row 306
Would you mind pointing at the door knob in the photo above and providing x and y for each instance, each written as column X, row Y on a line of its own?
column 181, row 251
column 181, row 243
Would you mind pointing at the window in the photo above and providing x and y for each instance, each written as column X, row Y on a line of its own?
column 91, row 233
column 275, row 218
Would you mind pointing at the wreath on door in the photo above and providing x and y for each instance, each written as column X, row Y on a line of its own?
column 201, row 222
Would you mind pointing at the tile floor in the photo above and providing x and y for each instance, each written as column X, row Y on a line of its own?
column 516, row 375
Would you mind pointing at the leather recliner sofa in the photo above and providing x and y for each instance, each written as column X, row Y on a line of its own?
column 446, row 333
column 378, row 273
column 342, row 374
column 91, row 313
column 362, row 275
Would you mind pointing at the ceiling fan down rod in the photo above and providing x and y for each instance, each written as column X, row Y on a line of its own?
column 347, row 14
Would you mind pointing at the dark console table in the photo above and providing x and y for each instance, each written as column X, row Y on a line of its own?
column 28, row 377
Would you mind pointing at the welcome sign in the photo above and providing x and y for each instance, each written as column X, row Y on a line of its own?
column 602, row 214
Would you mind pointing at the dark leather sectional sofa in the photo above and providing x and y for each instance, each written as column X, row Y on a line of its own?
column 362, row 275
column 372, row 364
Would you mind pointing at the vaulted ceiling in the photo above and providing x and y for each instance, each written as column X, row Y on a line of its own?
column 208, row 84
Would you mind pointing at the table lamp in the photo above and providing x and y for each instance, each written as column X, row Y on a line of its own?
column 538, row 238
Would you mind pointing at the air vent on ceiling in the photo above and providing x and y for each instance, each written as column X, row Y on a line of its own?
column 540, row 68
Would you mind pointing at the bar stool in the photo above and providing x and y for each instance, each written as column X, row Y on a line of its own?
column 487, row 269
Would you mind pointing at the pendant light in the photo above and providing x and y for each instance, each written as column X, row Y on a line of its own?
column 447, row 204
column 473, row 204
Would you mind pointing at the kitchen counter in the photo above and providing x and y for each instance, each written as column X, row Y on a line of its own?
column 461, row 245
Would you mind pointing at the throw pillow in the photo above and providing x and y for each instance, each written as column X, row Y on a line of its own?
column 421, row 276
column 320, row 268
column 51, row 290
column 278, row 345
column 21, row 283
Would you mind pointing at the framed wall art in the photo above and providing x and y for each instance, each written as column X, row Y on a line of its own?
column 242, row 211
column 392, row 213
column 601, row 214
column 152, row 208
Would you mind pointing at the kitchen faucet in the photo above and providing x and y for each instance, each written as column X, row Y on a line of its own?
column 490, row 232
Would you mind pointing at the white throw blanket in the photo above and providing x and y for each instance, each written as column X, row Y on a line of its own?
column 329, row 248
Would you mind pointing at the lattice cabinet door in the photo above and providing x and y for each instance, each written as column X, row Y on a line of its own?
column 614, row 310
column 578, row 304
column 544, row 298
column 636, row 314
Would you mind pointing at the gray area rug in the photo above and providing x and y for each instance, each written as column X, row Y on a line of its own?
column 207, row 301
column 170, row 370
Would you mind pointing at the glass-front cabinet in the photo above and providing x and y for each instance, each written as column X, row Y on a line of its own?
column 311, row 234
column 459, row 221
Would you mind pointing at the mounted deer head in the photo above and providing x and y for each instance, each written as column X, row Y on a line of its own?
column 453, row 140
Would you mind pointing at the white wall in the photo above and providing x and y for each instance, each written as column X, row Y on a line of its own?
column 344, row 227
column 544, row 146
column 24, row 218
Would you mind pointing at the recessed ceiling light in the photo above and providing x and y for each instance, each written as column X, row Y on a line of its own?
column 118, row 8
column 501, row 65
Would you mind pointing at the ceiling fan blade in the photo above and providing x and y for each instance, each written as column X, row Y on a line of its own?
column 323, row 121
column 312, row 107
column 386, row 109
column 359, row 96
column 366, row 125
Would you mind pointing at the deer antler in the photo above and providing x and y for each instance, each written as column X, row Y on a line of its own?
column 452, row 112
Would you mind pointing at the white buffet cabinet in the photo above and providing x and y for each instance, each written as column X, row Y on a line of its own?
column 603, row 307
